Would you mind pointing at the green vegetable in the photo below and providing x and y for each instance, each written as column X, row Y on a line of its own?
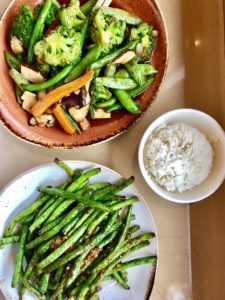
column 52, row 11
column 135, row 71
column 120, row 14
column 141, row 88
column 120, row 280
column 110, row 70
column 60, row 48
column 64, row 166
column 12, row 61
column 117, row 83
column 122, row 73
column 146, row 35
column 136, row 262
column 71, row 17
column 44, row 283
column 19, row 256
column 98, row 91
column 43, row 68
column 17, row 77
column 114, row 107
column 85, row 63
column 106, row 30
column 110, row 57
column 22, row 26
column 87, row 6
column 9, row 240
column 127, row 101
column 38, row 29
column 105, row 104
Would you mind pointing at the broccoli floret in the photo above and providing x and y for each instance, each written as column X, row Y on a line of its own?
column 44, row 68
column 52, row 12
column 145, row 33
column 22, row 26
column 61, row 47
column 98, row 91
column 107, row 30
column 71, row 16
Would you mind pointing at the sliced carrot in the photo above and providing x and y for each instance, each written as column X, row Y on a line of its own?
column 57, row 94
column 63, row 120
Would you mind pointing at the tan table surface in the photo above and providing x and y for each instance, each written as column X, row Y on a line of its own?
column 173, row 278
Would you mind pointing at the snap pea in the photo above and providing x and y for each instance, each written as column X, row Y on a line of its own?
column 110, row 70
column 127, row 102
column 114, row 107
column 85, row 63
column 19, row 256
column 139, row 89
column 121, row 14
column 108, row 58
column 147, row 69
column 38, row 29
column 117, row 83
column 12, row 61
column 135, row 71
column 105, row 104
column 122, row 73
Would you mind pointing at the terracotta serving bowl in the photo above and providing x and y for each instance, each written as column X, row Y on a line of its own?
column 16, row 119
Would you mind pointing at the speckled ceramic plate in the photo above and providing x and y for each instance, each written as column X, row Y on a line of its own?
column 22, row 191
column 16, row 119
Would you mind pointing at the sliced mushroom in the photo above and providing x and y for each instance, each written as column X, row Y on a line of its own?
column 139, row 49
column 79, row 114
column 99, row 113
column 16, row 45
column 107, row 3
column 99, row 3
column 29, row 99
column 31, row 75
column 124, row 57
column 46, row 120
column 85, row 125
column 33, row 121
column 86, row 92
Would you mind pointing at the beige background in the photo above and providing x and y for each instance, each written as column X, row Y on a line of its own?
column 194, row 79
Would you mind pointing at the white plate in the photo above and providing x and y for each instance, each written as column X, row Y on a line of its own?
column 22, row 191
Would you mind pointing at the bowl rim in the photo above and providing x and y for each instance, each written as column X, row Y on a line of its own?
column 110, row 137
column 151, row 184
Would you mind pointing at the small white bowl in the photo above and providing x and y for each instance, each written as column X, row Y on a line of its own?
column 215, row 134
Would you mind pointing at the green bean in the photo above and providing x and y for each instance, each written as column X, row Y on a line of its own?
column 30, row 265
column 133, row 229
column 60, row 297
column 12, row 61
column 85, row 63
column 38, row 221
column 123, row 274
column 40, row 239
column 110, row 57
column 110, row 70
column 122, row 204
column 120, row 280
column 117, row 83
column 59, row 274
column 25, row 213
column 101, row 216
column 87, row 6
column 125, row 229
column 85, row 176
column 98, row 186
column 19, row 256
column 108, row 239
column 74, row 123
column 64, row 166
column 29, row 219
column 49, row 226
column 44, row 283
column 68, row 195
column 38, row 29
column 66, row 244
column 105, row 104
column 33, row 290
column 69, row 226
column 114, row 107
column 9, row 240
column 59, row 210
column 82, row 219
column 136, row 91
column 127, row 101
column 91, row 112
column 135, row 262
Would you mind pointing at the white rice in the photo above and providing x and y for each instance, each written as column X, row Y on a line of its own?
column 178, row 157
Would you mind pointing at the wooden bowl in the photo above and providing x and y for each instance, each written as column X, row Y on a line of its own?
column 16, row 119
